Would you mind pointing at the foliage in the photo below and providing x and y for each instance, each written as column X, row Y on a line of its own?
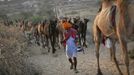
column 13, row 57
column 36, row 19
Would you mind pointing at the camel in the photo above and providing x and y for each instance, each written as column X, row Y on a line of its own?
column 80, row 24
column 60, row 32
column 41, row 34
column 47, row 32
column 103, row 25
column 82, row 31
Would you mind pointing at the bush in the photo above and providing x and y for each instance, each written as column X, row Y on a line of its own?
column 13, row 59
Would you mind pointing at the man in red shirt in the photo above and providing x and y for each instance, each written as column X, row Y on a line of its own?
column 71, row 48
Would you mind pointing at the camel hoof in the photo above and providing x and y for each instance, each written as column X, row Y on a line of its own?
column 43, row 46
column 59, row 47
column 84, row 45
column 83, row 52
column 38, row 43
column 99, row 73
column 54, row 50
column 48, row 50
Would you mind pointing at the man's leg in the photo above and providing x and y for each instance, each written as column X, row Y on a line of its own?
column 70, row 60
column 75, row 62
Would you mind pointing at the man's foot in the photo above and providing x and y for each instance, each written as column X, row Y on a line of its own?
column 76, row 71
column 71, row 67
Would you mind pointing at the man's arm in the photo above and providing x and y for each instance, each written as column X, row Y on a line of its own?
column 65, row 37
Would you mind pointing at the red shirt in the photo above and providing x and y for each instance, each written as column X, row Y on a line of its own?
column 70, row 33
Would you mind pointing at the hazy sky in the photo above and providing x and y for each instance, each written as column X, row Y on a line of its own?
column 4, row 0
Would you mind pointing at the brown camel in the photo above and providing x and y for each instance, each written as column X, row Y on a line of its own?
column 47, row 32
column 60, row 32
column 103, row 24
column 42, row 34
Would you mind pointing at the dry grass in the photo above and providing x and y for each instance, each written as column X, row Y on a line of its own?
column 13, row 59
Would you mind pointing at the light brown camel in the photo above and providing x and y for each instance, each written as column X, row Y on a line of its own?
column 47, row 32
column 43, row 34
column 103, row 25
column 61, row 31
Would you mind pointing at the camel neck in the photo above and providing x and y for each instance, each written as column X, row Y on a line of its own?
column 106, row 4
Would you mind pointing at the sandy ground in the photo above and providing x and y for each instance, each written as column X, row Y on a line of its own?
column 57, row 64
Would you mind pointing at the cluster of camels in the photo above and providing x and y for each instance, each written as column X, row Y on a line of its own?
column 50, row 32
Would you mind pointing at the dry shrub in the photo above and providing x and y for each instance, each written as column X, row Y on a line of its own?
column 13, row 59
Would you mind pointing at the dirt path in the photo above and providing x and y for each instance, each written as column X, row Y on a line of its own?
column 57, row 64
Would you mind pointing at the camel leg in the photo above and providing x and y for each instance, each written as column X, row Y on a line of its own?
column 79, row 36
column 37, row 38
column 111, row 54
column 52, row 44
column 59, row 44
column 47, row 43
column 54, row 41
column 123, row 44
column 84, row 38
column 114, row 58
column 85, row 31
column 58, row 41
column 97, row 44
column 97, row 33
column 42, row 40
column 125, row 54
